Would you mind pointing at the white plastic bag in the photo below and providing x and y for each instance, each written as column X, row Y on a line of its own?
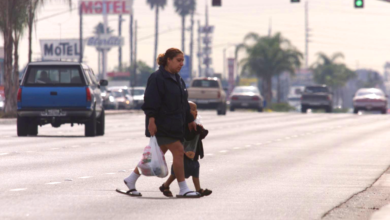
column 153, row 161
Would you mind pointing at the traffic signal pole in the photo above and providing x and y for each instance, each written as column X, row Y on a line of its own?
column 306, row 34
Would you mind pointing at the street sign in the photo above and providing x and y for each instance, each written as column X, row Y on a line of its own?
column 64, row 49
column 208, row 29
column 97, row 7
column 207, row 50
column 207, row 61
column 207, row 40
column 105, row 41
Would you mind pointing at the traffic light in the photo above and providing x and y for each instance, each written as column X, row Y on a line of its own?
column 359, row 3
column 217, row 3
column 294, row 1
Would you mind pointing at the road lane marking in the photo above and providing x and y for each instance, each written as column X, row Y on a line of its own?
column 2, row 154
column 248, row 145
column 15, row 190
column 76, row 146
column 85, row 177
column 54, row 148
column 279, row 140
column 223, row 151
column 30, row 151
column 53, row 183
column 110, row 173
column 209, row 154
column 236, row 148
column 258, row 144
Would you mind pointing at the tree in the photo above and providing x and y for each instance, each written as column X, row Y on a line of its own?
column 335, row 75
column 184, row 8
column 156, row 4
column 12, row 20
column 267, row 57
column 143, row 72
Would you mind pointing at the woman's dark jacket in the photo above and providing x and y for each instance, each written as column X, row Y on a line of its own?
column 166, row 100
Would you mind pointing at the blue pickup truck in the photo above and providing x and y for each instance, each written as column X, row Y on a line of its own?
column 57, row 93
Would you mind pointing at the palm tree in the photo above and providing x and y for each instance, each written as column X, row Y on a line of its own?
column 329, row 72
column 31, row 11
column 267, row 57
column 184, row 8
column 156, row 4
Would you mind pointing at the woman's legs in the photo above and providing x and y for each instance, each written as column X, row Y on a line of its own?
column 177, row 151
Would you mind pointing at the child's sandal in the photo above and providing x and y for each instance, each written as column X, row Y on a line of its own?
column 205, row 192
column 166, row 191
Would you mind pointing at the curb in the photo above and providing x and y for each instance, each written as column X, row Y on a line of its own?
column 9, row 121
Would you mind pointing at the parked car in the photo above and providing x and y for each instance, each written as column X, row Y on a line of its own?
column 370, row 99
column 247, row 97
column 57, row 93
column 109, row 101
column 294, row 97
column 138, row 96
column 208, row 93
column 124, row 100
column 316, row 97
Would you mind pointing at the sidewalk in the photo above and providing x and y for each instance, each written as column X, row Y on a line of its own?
column 9, row 121
column 384, row 212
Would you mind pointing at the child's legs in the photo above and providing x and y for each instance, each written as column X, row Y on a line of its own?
column 169, row 180
column 196, row 183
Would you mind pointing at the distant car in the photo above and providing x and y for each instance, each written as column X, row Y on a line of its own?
column 109, row 101
column 247, row 97
column 57, row 93
column 2, row 99
column 124, row 101
column 316, row 97
column 370, row 99
column 138, row 96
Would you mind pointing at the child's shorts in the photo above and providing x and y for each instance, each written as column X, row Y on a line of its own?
column 191, row 168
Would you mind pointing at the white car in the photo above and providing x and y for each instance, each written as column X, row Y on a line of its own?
column 138, row 96
column 370, row 100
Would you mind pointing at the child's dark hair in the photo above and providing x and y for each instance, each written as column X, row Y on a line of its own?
column 171, row 53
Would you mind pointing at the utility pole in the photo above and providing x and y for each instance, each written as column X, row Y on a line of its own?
column 131, row 38
column 306, row 34
column 105, row 22
column 199, row 51
column 192, row 43
column 135, row 54
column 81, row 34
column 207, row 41
column 120, row 47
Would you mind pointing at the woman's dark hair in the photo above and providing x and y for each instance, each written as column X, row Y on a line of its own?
column 171, row 53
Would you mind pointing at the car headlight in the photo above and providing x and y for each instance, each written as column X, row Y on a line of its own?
column 1, row 104
column 112, row 99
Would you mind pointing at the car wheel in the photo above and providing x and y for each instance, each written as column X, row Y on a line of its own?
column 260, row 109
column 232, row 109
column 328, row 109
column 22, row 126
column 355, row 110
column 303, row 109
column 100, row 124
column 90, row 126
column 33, row 129
column 384, row 111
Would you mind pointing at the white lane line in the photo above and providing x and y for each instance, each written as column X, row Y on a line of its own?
column 279, row 140
column 15, row 190
column 236, row 148
column 258, row 144
column 53, row 183
column 2, row 154
column 110, row 173
column 248, row 145
column 223, row 151
column 209, row 154
column 85, row 177
column 287, row 138
column 76, row 146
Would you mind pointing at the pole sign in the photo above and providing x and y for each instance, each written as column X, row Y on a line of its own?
column 231, row 62
column 207, row 29
column 113, row 7
column 66, row 49
column 105, row 41
column 185, row 70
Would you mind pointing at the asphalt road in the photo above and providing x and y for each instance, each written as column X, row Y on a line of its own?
column 259, row 166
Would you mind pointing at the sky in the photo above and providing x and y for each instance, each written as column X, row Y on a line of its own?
column 335, row 26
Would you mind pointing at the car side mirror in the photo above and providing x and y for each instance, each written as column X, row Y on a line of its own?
column 103, row 82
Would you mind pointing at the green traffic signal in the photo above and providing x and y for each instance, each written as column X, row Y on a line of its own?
column 359, row 3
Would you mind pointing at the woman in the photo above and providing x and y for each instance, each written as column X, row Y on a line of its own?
column 167, row 112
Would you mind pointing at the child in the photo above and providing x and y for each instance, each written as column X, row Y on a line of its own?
column 193, row 148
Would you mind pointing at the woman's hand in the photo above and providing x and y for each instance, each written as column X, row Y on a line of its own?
column 152, row 127
column 192, row 126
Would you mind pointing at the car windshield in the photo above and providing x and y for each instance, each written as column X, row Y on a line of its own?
column 378, row 93
column 54, row 76
column 316, row 89
column 205, row 83
column 138, row 91
column 116, row 94
column 245, row 90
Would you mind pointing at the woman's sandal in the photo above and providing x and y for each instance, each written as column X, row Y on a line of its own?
column 205, row 192
column 166, row 191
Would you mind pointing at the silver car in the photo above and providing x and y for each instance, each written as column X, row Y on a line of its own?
column 138, row 96
column 247, row 97
column 370, row 100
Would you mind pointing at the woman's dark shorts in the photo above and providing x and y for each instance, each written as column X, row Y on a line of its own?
column 191, row 168
column 165, row 140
